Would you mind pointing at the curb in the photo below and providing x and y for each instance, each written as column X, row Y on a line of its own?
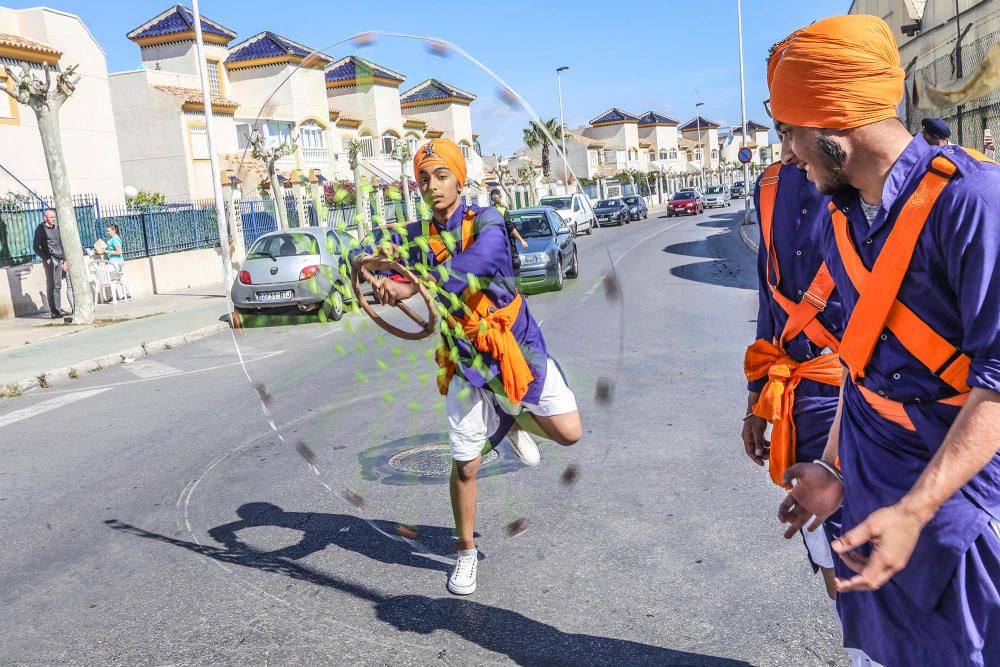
column 750, row 236
column 81, row 368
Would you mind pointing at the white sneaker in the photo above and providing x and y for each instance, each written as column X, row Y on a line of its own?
column 524, row 447
column 463, row 577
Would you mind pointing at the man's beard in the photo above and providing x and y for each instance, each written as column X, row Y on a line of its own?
column 834, row 159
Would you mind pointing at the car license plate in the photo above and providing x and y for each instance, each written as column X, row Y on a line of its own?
column 285, row 295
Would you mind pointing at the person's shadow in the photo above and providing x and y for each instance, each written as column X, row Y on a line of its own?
column 341, row 530
column 730, row 263
column 522, row 639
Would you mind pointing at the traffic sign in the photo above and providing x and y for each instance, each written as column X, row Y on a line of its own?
column 745, row 155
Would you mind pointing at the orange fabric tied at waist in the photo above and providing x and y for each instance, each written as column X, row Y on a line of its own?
column 491, row 332
column 894, row 411
column 777, row 399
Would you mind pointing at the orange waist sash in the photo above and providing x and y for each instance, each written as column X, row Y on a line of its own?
column 894, row 411
column 777, row 399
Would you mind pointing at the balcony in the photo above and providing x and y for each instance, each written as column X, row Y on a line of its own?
column 315, row 156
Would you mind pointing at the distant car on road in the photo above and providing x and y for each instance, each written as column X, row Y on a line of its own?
column 295, row 268
column 637, row 208
column 688, row 202
column 740, row 189
column 612, row 211
column 551, row 255
column 575, row 209
column 718, row 195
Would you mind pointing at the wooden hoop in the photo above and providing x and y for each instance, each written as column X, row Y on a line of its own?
column 363, row 268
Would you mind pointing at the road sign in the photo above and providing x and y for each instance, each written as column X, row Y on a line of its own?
column 745, row 155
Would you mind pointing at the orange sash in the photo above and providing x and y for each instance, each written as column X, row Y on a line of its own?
column 488, row 328
column 877, row 306
column 777, row 399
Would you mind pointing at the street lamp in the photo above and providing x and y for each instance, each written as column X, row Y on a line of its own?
column 697, row 119
column 562, row 122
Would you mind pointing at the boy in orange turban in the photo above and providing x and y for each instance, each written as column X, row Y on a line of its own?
column 494, row 363
column 913, row 245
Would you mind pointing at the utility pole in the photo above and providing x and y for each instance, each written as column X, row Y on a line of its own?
column 743, row 112
column 958, row 66
column 562, row 123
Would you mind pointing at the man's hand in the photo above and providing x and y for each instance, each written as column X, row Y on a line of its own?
column 814, row 491
column 758, row 447
column 990, row 144
column 65, row 265
column 524, row 244
column 389, row 292
column 893, row 533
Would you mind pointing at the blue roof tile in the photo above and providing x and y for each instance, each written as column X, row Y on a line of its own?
column 432, row 89
column 353, row 67
column 614, row 115
column 266, row 45
column 652, row 117
column 694, row 123
column 178, row 19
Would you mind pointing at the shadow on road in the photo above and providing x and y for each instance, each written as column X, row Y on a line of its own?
column 731, row 263
column 522, row 639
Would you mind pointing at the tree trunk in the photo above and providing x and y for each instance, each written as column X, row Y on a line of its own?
column 280, row 213
column 545, row 159
column 83, row 299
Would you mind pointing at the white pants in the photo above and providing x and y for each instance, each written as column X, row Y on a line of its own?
column 472, row 411
column 818, row 544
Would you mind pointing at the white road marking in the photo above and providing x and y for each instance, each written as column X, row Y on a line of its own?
column 47, row 406
column 147, row 368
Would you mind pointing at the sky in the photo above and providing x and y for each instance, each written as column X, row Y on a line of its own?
column 633, row 55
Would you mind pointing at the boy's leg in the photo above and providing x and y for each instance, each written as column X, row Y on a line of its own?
column 556, row 416
column 470, row 420
column 463, row 501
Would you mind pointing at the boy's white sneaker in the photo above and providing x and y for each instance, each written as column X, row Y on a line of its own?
column 524, row 447
column 463, row 576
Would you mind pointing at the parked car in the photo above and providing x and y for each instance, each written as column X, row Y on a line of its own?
column 612, row 212
column 295, row 268
column 739, row 189
column 551, row 255
column 718, row 195
column 575, row 209
column 686, row 201
column 637, row 208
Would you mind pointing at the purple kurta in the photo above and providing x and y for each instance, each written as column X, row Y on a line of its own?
column 943, row 608
column 800, row 211
column 488, row 259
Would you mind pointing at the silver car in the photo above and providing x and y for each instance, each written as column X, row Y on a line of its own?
column 296, row 268
column 718, row 195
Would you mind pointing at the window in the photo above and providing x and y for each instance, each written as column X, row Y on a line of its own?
column 466, row 150
column 715, row 154
column 673, row 153
column 199, row 142
column 8, row 107
column 664, row 155
column 592, row 158
column 698, row 155
column 610, row 155
column 411, row 143
column 311, row 135
column 214, row 70
column 367, row 146
column 389, row 143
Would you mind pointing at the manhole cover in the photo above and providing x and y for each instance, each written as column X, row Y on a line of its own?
column 433, row 460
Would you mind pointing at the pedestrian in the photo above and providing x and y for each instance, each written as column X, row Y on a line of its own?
column 494, row 364
column 116, row 255
column 935, row 131
column 47, row 244
column 913, row 245
column 513, row 235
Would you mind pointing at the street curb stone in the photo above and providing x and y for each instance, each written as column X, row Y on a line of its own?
column 85, row 367
column 750, row 236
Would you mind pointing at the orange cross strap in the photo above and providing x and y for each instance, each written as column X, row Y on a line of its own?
column 801, row 315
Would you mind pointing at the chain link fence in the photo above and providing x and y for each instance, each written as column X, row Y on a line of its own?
column 976, row 115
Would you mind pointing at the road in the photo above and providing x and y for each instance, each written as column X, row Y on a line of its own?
column 151, row 515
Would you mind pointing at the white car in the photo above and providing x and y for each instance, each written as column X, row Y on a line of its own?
column 575, row 209
column 718, row 195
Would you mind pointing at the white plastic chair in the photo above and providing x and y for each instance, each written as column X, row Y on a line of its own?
column 107, row 279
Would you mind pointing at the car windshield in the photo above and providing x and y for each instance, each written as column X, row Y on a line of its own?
column 715, row 190
column 738, row 184
column 557, row 202
column 683, row 194
column 290, row 244
column 631, row 200
column 607, row 203
column 532, row 225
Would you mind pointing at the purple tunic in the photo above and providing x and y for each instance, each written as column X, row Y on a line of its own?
column 488, row 259
column 943, row 608
column 800, row 212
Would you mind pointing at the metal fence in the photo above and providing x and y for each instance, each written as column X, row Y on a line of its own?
column 976, row 115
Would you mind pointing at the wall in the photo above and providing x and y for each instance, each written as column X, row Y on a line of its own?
column 22, row 289
column 86, row 119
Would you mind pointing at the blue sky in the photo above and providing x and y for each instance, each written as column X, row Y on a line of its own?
column 634, row 55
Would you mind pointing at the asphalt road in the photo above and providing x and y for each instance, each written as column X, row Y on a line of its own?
column 150, row 515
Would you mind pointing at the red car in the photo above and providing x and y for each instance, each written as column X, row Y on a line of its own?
column 686, row 201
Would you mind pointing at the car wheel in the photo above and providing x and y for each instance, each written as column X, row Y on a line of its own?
column 574, row 267
column 332, row 308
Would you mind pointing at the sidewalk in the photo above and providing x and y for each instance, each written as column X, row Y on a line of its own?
column 750, row 233
column 32, row 347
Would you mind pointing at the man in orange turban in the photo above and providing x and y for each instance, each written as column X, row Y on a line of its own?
column 913, row 245
column 494, row 365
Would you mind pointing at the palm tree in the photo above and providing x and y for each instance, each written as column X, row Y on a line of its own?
column 543, row 134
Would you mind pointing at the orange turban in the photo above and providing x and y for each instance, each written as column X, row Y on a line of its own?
column 838, row 73
column 443, row 152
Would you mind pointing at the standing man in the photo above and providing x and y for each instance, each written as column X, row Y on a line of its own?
column 48, row 245
column 935, row 131
column 914, row 248
column 512, row 233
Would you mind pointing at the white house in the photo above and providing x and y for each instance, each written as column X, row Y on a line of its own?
column 758, row 142
column 705, row 135
column 31, row 38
